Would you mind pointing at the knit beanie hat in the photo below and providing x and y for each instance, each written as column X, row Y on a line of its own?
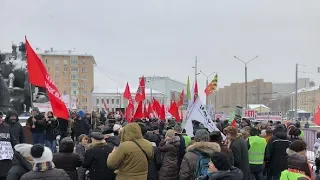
column 170, row 133
column 36, row 109
column 296, row 147
column 41, row 154
column 202, row 135
column 24, row 149
column 221, row 161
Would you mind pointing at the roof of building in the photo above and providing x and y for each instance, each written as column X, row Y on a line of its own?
column 63, row 53
column 164, row 77
column 121, row 90
column 317, row 87
column 254, row 106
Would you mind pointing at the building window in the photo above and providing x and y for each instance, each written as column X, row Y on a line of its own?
column 84, row 77
column 57, row 68
column 84, row 85
column 56, row 76
column 56, row 62
column 74, row 92
column 65, row 62
column 107, row 101
column 65, row 69
column 117, row 101
column 74, row 76
column 74, row 69
column 112, row 101
column 84, row 92
column 84, row 100
column 85, row 107
column 97, row 101
column 74, row 61
column 83, row 69
column 83, row 61
column 65, row 76
column 102, row 101
column 74, row 84
column 47, row 61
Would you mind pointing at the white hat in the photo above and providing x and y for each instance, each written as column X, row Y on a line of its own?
column 116, row 127
column 24, row 149
column 41, row 154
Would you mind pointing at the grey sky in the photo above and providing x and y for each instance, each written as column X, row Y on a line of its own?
column 133, row 37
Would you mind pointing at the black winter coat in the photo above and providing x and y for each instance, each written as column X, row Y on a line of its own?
column 95, row 160
column 239, row 149
column 155, row 164
column 20, row 167
column 275, row 154
column 17, row 131
column 52, row 130
column 40, row 124
column 53, row 174
column 68, row 162
column 170, row 165
column 81, row 127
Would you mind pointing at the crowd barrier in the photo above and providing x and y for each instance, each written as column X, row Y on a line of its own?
column 310, row 137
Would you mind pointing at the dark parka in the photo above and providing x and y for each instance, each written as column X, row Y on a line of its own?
column 170, row 165
column 190, row 159
column 20, row 167
column 52, row 174
column 239, row 149
column 16, row 127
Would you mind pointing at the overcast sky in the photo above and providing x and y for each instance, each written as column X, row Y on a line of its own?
column 130, row 38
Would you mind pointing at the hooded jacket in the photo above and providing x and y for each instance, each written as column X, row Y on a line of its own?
column 128, row 159
column 189, row 162
column 20, row 167
column 297, row 162
column 16, row 127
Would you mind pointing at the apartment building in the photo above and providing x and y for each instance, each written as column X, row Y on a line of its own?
column 227, row 98
column 72, row 73
column 308, row 99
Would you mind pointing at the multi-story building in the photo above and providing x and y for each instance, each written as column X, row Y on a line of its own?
column 72, row 73
column 170, row 88
column 284, row 89
column 113, row 98
column 227, row 98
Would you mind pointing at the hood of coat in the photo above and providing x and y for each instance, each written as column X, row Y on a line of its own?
column 131, row 132
column 115, row 140
column 11, row 113
column 99, row 143
column 281, row 135
column 234, row 174
column 297, row 161
column 204, row 147
column 175, row 140
column 21, row 161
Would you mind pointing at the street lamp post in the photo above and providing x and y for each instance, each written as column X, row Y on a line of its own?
column 246, row 79
column 207, row 82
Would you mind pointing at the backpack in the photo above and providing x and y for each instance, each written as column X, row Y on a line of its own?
column 202, row 164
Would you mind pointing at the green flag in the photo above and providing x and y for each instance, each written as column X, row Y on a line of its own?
column 233, row 115
column 188, row 90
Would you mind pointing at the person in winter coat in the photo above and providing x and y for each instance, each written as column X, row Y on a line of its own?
column 95, row 158
column 110, row 138
column 275, row 154
column 201, row 145
column 12, row 119
column 8, row 141
column 131, row 158
column 239, row 148
column 37, row 125
column 297, row 163
column 21, row 162
column 182, row 147
column 221, row 169
column 66, row 159
column 52, row 131
column 43, row 167
column 81, row 150
column 63, row 127
column 215, row 136
column 170, row 151
column 81, row 125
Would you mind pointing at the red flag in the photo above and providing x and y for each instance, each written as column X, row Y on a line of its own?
column 234, row 123
column 39, row 76
column 138, row 114
column 195, row 91
column 141, row 95
column 129, row 111
column 180, row 102
column 157, row 107
column 105, row 106
column 181, row 114
column 317, row 117
column 162, row 113
column 212, row 86
column 127, row 93
column 145, row 111
column 150, row 110
column 174, row 111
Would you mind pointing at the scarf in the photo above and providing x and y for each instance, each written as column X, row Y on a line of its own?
column 40, row 167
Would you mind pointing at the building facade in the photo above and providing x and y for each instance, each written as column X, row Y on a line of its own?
column 308, row 99
column 284, row 89
column 169, row 87
column 72, row 73
column 227, row 98
column 113, row 98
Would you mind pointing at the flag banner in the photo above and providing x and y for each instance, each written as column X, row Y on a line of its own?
column 238, row 113
column 317, row 117
column 126, row 93
column 181, row 100
column 141, row 94
column 212, row 86
column 39, row 76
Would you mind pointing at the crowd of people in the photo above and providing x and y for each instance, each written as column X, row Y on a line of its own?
column 100, row 147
